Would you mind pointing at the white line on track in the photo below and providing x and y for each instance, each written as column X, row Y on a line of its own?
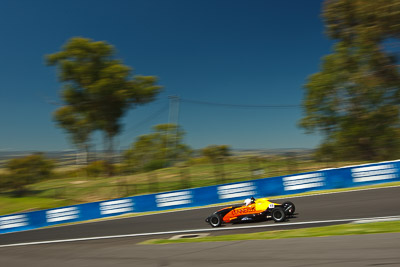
column 192, row 231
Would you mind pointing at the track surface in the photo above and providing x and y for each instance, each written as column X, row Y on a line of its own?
column 338, row 251
column 348, row 205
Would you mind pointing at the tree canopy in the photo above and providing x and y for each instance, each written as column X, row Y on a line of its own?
column 27, row 170
column 216, row 153
column 354, row 99
column 157, row 149
column 98, row 89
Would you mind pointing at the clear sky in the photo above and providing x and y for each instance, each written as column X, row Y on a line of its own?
column 254, row 52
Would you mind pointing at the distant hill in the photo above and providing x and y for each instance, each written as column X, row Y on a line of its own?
column 69, row 157
column 64, row 157
column 274, row 152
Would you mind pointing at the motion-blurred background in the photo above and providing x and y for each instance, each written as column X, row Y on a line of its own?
column 105, row 99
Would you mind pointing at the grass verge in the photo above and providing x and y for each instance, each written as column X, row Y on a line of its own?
column 335, row 230
column 24, row 204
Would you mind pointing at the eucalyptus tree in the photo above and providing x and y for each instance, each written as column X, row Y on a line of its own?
column 159, row 148
column 27, row 170
column 217, row 155
column 354, row 99
column 98, row 89
column 77, row 126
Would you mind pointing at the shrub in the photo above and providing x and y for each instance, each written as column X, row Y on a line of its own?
column 27, row 170
column 98, row 168
column 155, row 165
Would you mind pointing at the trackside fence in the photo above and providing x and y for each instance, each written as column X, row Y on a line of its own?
column 344, row 177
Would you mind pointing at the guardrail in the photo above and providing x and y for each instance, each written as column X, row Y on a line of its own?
column 283, row 185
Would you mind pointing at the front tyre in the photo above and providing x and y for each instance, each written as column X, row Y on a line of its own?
column 289, row 208
column 215, row 220
column 278, row 214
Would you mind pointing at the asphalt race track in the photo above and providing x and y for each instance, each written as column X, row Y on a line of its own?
column 126, row 252
column 359, row 250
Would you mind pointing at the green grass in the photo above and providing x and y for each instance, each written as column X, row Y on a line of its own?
column 335, row 230
column 10, row 205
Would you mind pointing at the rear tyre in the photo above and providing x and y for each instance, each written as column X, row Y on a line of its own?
column 215, row 220
column 289, row 208
column 278, row 214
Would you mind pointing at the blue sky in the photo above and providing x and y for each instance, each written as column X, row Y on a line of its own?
column 257, row 52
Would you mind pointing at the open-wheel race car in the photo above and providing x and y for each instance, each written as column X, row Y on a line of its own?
column 252, row 210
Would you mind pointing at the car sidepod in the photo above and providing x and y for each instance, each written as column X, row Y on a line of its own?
column 218, row 215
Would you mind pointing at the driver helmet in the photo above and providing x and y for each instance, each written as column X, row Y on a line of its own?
column 247, row 201
column 253, row 200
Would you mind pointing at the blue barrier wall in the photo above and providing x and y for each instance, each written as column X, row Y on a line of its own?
column 351, row 176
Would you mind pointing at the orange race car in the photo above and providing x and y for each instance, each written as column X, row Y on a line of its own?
column 252, row 210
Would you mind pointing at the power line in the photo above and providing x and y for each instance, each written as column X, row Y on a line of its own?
column 237, row 105
column 148, row 119
column 176, row 100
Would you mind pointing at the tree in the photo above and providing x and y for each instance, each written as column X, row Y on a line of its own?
column 354, row 100
column 78, row 127
column 27, row 170
column 98, row 89
column 142, row 152
column 168, row 138
column 158, row 149
column 217, row 154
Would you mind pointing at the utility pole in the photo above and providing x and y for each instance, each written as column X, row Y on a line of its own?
column 173, row 118
column 173, row 109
